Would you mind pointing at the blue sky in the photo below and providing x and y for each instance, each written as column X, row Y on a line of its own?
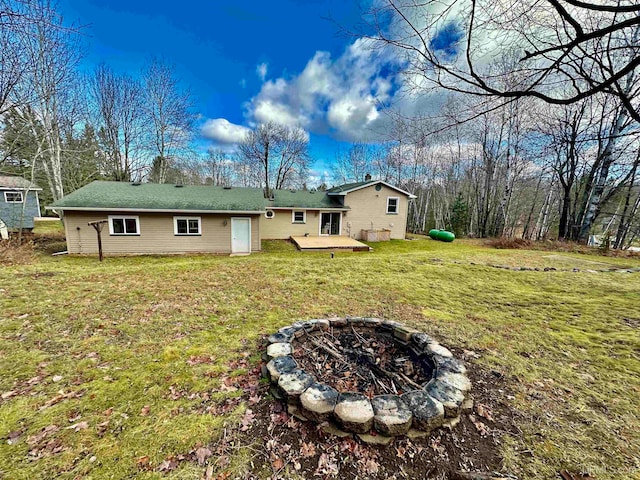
column 248, row 62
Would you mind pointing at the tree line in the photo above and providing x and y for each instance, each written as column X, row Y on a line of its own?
column 535, row 143
column 63, row 129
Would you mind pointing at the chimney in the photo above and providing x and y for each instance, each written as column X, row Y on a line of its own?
column 367, row 177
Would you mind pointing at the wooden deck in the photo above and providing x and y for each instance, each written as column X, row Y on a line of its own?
column 331, row 242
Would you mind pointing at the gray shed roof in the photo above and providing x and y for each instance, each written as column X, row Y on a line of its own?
column 8, row 182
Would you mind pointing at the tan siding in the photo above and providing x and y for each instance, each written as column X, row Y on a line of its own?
column 156, row 234
column 280, row 225
column 368, row 205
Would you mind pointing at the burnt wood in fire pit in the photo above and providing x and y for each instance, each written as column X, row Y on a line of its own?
column 366, row 373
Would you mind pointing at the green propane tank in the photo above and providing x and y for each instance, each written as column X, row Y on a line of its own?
column 442, row 235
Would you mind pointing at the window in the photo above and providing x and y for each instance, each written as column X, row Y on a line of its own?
column 269, row 214
column 124, row 225
column 392, row 205
column 13, row 197
column 186, row 225
column 299, row 217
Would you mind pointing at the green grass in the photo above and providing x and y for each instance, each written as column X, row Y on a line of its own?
column 123, row 334
column 44, row 227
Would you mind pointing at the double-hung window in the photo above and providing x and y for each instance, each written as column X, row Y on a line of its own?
column 124, row 225
column 187, row 226
column 298, row 216
column 392, row 205
column 13, row 197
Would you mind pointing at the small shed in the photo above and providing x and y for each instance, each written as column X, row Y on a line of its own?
column 19, row 202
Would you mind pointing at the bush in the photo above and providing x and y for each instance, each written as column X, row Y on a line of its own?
column 510, row 243
column 556, row 246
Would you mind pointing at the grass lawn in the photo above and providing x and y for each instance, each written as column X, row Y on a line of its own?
column 137, row 366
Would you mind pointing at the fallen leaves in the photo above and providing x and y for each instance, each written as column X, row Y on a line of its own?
column 9, row 394
column 566, row 475
column 168, row 465
column 44, row 433
column 484, row 411
column 102, row 428
column 59, row 398
column 482, row 428
column 247, row 420
column 78, row 426
column 307, row 450
column 39, row 447
column 327, row 465
column 144, row 411
column 13, row 437
column 143, row 462
column 202, row 454
column 277, row 464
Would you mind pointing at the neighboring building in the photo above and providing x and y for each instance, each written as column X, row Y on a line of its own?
column 151, row 218
column 14, row 191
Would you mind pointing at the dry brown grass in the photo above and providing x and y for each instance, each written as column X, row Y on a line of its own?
column 555, row 246
column 12, row 253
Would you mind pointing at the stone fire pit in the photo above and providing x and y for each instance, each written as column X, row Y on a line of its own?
column 374, row 378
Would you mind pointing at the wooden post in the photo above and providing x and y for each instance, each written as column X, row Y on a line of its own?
column 99, row 225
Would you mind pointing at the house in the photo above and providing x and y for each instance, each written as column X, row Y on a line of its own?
column 19, row 203
column 145, row 218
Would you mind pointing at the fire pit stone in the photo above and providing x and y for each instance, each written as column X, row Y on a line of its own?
column 392, row 415
column 279, row 349
column 354, row 412
column 409, row 384
column 428, row 413
column 279, row 366
column 293, row 384
column 318, row 402
column 450, row 397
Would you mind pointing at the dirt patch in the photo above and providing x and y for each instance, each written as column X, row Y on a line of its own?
column 631, row 322
column 282, row 446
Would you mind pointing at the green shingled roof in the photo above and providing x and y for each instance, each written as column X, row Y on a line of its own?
column 350, row 186
column 150, row 196
column 303, row 199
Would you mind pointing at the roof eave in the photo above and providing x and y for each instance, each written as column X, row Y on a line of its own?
column 375, row 182
column 326, row 207
column 31, row 189
column 150, row 210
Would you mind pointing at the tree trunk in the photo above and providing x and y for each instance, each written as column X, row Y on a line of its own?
column 601, row 179
column 624, row 225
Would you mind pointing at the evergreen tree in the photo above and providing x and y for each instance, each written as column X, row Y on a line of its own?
column 459, row 217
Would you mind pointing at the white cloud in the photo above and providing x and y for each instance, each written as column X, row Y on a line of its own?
column 343, row 96
column 222, row 131
column 261, row 70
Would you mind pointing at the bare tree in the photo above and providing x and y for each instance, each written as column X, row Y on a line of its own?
column 589, row 47
column 358, row 160
column 13, row 64
column 51, row 52
column 279, row 152
column 168, row 108
column 117, row 102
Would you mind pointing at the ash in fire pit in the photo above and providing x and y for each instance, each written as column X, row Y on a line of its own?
column 373, row 364
column 364, row 373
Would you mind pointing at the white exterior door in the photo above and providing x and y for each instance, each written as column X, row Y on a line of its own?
column 241, row 235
